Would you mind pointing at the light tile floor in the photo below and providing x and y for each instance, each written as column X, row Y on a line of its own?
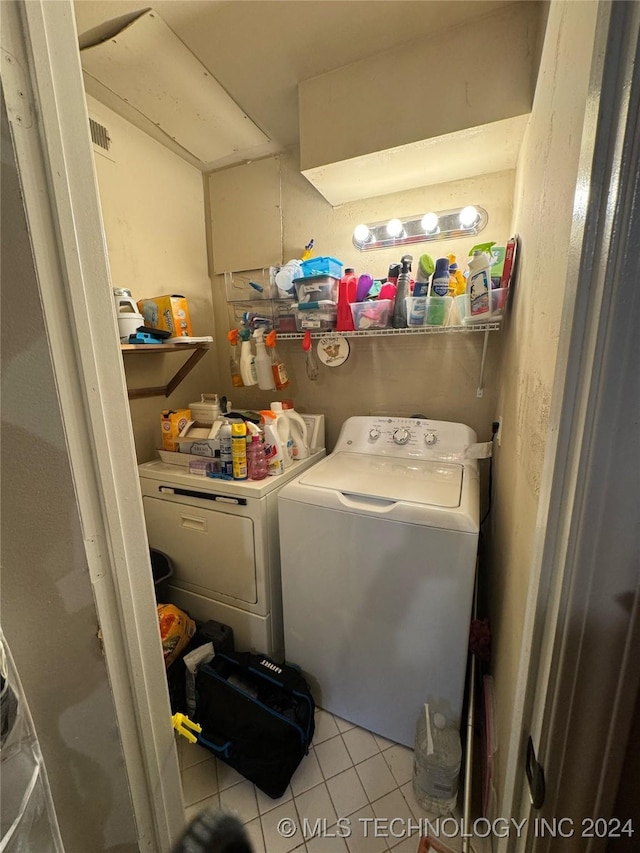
column 351, row 782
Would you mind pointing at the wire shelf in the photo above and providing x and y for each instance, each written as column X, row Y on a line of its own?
column 377, row 333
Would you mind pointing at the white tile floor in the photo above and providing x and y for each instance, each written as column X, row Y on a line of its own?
column 351, row 781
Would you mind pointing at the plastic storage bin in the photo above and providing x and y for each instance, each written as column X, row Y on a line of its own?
column 314, row 288
column 374, row 314
column 284, row 317
column 428, row 310
column 250, row 285
column 322, row 266
column 316, row 316
column 498, row 302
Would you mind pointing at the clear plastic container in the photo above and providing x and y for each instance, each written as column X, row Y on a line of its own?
column 316, row 287
column 373, row 314
column 428, row 310
column 436, row 762
column 318, row 316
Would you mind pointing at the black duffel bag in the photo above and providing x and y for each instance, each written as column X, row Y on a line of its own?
column 256, row 715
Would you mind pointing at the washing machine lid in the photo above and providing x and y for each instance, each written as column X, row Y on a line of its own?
column 417, row 481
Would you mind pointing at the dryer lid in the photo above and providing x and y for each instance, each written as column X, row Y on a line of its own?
column 389, row 478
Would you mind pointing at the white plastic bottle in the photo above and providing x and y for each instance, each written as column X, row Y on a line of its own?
column 436, row 762
column 299, row 432
column 272, row 444
column 264, row 371
column 247, row 359
column 479, row 285
column 284, row 431
column 226, row 458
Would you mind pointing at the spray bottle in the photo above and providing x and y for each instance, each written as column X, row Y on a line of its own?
column 263, row 363
column 279, row 371
column 234, row 359
column 457, row 283
column 402, row 291
column 247, row 359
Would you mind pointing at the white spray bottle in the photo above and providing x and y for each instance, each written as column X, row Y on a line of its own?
column 264, row 372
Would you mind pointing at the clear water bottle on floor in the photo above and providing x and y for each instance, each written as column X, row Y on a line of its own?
column 436, row 762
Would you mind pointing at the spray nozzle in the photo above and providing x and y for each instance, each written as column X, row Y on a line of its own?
column 244, row 334
column 258, row 335
column 406, row 261
column 270, row 339
column 482, row 247
column 232, row 337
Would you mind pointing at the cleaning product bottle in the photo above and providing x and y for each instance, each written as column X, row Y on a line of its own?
column 226, row 458
column 264, row 372
column 399, row 320
column 234, row 359
column 440, row 280
column 280, row 375
column 239, row 450
column 457, row 283
column 436, row 762
column 347, row 286
column 284, row 431
column 299, row 432
column 256, row 457
column 247, row 359
column 479, row 285
column 272, row 444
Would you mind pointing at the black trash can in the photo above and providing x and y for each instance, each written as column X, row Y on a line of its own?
column 162, row 569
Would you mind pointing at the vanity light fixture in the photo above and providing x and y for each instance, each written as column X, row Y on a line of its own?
column 434, row 225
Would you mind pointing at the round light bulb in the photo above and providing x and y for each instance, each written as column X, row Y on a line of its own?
column 430, row 223
column 394, row 228
column 468, row 216
column 361, row 233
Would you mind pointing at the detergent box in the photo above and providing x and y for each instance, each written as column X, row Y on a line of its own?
column 172, row 423
column 170, row 313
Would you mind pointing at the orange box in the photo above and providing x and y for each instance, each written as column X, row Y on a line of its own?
column 173, row 422
column 170, row 313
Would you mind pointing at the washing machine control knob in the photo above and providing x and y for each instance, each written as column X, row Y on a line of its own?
column 430, row 439
column 401, row 435
column 374, row 433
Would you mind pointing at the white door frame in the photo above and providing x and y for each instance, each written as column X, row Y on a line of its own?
column 46, row 107
column 577, row 678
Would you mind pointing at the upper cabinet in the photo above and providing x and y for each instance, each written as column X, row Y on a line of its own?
column 246, row 218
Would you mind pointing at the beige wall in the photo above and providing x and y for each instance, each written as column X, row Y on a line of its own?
column 153, row 210
column 545, row 187
column 436, row 375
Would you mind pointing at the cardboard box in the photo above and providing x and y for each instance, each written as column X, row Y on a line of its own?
column 197, row 439
column 172, row 423
column 170, row 313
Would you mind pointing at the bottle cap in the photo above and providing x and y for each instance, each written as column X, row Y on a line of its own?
column 349, row 270
column 239, row 429
column 439, row 721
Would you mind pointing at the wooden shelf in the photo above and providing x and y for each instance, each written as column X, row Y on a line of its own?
column 198, row 350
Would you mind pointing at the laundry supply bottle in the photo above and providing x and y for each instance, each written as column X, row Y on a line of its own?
column 272, row 444
column 256, row 457
column 280, row 375
column 399, row 320
column 226, row 457
column 299, row 432
column 479, row 284
column 264, row 372
column 457, row 283
column 440, row 280
column 284, row 431
column 347, row 288
column 436, row 762
column 234, row 359
column 239, row 450
column 247, row 359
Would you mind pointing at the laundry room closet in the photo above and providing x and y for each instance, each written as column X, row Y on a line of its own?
column 467, row 104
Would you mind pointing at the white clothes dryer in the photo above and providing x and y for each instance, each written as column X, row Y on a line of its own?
column 378, row 549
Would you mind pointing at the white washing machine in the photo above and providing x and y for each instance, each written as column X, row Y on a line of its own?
column 222, row 538
column 378, row 552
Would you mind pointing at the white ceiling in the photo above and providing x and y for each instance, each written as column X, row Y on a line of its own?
column 259, row 50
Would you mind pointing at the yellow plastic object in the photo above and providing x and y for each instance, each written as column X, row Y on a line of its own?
column 308, row 251
column 181, row 723
column 176, row 629
column 457, row 281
